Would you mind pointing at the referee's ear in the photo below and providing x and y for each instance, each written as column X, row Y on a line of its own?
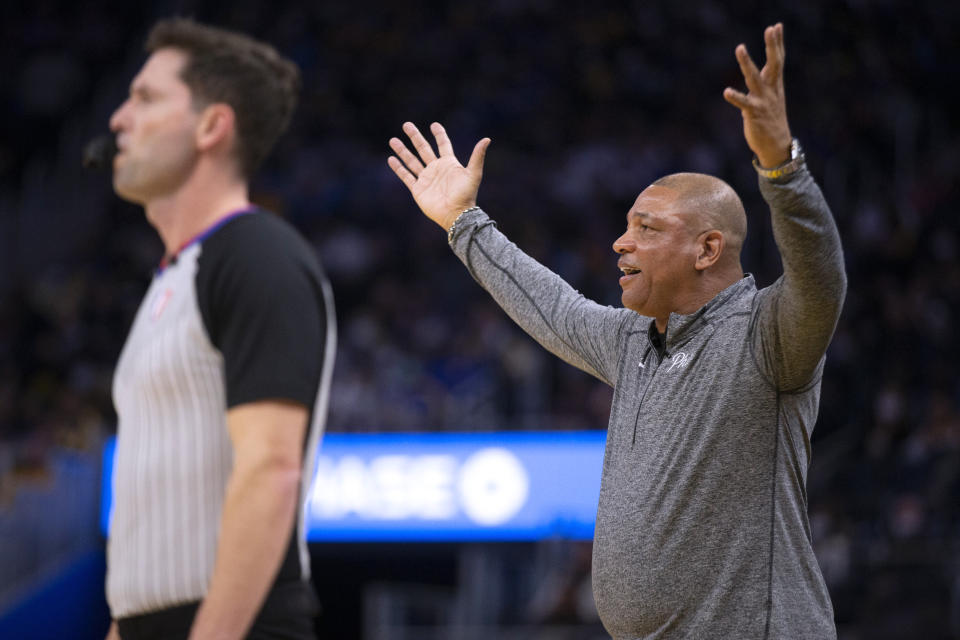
column 216, row 129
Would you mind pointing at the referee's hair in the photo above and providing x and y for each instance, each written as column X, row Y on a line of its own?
column 224, row 66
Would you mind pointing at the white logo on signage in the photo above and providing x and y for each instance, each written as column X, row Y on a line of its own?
column 388, row 487
column 678, row 360
column 490, row 487
column 493, row 486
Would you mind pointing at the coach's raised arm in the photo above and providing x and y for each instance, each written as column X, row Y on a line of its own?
column 543, row 304
column 800, row 311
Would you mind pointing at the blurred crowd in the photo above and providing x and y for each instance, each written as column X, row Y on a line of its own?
column 586, row 104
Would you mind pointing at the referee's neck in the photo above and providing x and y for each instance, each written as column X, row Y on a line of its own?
column 184, row 214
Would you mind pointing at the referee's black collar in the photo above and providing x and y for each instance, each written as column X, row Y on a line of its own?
column 170, row 259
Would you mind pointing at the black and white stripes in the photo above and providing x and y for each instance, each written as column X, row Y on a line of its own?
column 173, row 450
column 242, row 315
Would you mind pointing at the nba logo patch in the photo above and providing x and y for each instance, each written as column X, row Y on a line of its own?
column 160, row 303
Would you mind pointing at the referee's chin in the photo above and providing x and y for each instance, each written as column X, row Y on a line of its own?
column 125, row 191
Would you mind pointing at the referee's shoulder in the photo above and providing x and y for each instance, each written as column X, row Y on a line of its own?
column 263, row 234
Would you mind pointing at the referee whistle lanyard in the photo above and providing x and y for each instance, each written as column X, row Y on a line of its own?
column 203, row 235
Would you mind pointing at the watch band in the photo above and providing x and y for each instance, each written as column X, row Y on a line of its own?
column 453, row 228
column 797, row 160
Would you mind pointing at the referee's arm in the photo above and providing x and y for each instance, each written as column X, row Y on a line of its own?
column 258, row 515
column 259, row 292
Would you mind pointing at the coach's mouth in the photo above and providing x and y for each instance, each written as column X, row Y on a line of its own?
column 629, row 273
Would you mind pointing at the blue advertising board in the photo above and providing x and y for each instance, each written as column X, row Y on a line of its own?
column 447, row 487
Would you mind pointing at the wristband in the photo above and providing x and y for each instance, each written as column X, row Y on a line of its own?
column 797, row 160
column 453, row 227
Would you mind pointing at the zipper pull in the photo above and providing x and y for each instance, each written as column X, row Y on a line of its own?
column 645, row 354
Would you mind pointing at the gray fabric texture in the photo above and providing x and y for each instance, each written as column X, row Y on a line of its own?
column 702, row 528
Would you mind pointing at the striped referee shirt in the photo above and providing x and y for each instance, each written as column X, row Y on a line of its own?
column 242, row 313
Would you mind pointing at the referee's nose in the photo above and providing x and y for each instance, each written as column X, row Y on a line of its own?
column 119, row 118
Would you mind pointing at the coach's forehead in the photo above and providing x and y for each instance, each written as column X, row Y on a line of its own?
column 655, row 197
column 658, row 202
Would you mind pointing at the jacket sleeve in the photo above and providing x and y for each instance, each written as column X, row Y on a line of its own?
column 794, row 319
column 580, row 331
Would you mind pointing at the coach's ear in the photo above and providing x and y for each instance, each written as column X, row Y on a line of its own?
column 710, row 246
column 216, row 128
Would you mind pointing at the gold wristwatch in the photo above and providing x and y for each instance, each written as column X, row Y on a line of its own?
column 797, row 160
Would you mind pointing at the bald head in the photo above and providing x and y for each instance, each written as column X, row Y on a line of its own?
column 711, row 203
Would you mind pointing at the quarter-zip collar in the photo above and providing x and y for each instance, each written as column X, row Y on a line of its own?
column 681, row 327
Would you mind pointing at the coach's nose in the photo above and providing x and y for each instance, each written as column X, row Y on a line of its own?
column 624, row 244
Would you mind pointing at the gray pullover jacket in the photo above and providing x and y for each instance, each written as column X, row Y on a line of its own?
column 702, row 528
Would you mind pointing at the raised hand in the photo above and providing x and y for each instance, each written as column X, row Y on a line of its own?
column 764, row 108
column 441, row 186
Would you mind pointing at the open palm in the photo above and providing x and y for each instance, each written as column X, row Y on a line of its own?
column 441, row 186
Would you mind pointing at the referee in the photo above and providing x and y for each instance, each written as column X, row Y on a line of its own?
column 223, row 383
column 702, row 527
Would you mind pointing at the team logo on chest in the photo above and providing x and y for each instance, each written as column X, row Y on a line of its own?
column 159, row 303
column 679, row 360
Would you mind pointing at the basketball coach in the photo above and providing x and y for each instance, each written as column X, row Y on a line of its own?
column 702, row 528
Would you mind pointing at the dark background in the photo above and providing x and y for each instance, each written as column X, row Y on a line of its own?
column 586, row 104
